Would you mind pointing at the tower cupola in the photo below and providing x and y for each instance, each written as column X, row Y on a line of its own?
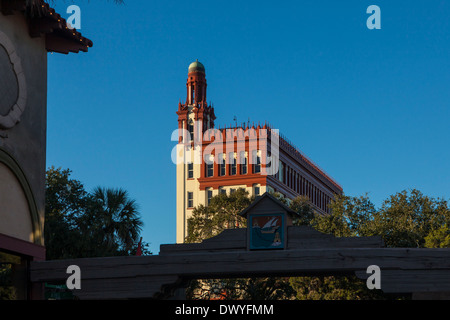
column 196, row 84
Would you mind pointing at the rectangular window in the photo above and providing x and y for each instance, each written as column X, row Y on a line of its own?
column 243, row 161
column 232, row 162
column 222, row 191
column 281, row 172
column 210, row 170
column 209, row 166
column 222, row 165
column 232, row 190
column 190, row 199
column 191, row 130
column 256, row 162
column 209, row 194
column 190, row 170
column 257, row 191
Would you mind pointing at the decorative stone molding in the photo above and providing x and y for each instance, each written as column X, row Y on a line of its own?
column 15, row 112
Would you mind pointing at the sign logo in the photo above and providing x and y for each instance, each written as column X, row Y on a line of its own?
column 266, row 231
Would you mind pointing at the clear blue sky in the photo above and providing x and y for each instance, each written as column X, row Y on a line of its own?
column 371, row 107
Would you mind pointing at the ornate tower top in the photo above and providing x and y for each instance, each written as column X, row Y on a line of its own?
column 196, row 66
column 195, row 115
column 196, row 84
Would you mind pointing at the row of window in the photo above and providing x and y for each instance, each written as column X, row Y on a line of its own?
column 302, row 186
column 231, row 166
column 209, row 194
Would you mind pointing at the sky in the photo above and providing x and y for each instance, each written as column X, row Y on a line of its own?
column 370, row 107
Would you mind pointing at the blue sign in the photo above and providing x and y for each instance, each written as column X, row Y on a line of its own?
column 266, row 231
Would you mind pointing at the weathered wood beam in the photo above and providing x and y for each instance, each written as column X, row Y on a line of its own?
column 229, row 239
column 298, row 237
column 159, row 287
column 308, row 252
column 404, row 281
column 411, row 270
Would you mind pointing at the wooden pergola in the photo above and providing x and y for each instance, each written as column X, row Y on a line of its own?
column 424, row 272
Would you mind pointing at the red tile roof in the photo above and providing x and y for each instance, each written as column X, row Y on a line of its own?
column 45, row 21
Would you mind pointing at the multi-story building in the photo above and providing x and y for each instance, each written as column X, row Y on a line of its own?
column 257, row 158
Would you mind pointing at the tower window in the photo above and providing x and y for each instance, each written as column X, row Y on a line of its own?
column 209, row 169
column 209, row 161
column 190, row 170
column 222, row 165
column 243, row 161
column 232, row 164
column 190, row 199
column 256, row 162
column 191, row 130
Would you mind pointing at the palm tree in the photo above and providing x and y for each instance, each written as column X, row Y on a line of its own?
column 114, row 218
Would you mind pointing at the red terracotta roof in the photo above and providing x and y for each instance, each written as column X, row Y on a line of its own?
column 45, row 21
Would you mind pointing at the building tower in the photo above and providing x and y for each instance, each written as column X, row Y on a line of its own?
column 195, row 114
column 203, row 172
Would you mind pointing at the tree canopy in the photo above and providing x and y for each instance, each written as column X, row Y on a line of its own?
column 78, row 224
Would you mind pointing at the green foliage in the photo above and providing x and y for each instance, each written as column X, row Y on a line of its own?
column 269, row 288
column 439, row 238
column 11, row 270
column 333, row 288
column 114, row 216
column 222, row 213
column 350, row 217
column 305, row 212
column 79, row 224
column 65, row 203
column 406, row 219
column 7, row 289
